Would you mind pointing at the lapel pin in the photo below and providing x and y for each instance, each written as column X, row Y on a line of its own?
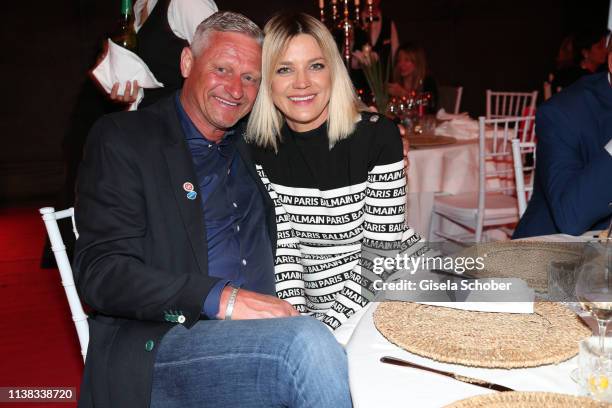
column 187, row 186
column 192, row 195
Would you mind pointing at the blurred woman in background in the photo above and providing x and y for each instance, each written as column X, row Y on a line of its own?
column 589, row 56
column 410, row 75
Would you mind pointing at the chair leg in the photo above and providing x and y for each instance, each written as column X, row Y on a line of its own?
column 478, row 232
column 431, row 234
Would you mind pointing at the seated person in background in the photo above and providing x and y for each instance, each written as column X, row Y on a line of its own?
column 573, row 178
column 565, row 56
column 410, row 75
column 589, row 56
column 176, row 233
column 336, row 175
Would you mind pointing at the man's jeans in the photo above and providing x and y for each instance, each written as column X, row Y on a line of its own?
column 285, row 362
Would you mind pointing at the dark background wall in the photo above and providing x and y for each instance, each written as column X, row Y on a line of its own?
column 47, row 50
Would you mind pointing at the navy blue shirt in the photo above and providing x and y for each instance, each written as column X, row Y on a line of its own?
column 239, row 247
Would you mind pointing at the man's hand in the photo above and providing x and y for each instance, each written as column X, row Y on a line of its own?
column 253, row 305
column 129, row 94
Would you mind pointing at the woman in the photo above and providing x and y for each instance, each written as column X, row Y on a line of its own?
column 410, row 75
column 589, row 56
column 335, row 175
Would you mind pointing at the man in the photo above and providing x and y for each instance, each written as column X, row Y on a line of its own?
column 172, row 220
column 573, row 180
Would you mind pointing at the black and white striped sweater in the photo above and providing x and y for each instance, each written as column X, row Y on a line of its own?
column 331, row 205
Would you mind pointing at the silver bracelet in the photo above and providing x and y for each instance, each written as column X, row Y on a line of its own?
column 230, row 304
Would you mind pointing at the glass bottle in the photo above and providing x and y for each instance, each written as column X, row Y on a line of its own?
column 125, row 35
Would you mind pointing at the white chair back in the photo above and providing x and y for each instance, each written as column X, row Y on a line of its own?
column 450, row 98
column 495, row 164
column 50, row 217
column 523, row 190
column 510, row 104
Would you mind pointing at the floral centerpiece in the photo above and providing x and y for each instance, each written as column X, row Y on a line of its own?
column 377, row 75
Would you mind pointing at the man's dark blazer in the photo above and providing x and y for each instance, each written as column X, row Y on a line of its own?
column 573, row 177
column 141, row 257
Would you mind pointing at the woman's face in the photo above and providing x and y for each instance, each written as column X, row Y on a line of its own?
column 301, row 84
column 405, row 64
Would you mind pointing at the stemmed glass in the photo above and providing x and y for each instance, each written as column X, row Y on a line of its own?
column 391, row 108
column 594, row 284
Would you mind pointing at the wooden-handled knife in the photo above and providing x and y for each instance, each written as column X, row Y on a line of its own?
column 469, row 380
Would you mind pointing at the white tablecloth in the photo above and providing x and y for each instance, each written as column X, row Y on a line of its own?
column 374, row 384
column 450, row 169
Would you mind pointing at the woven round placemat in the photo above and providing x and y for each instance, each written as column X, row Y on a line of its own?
column 550, row 335
column 527, row 400
column 526, row 260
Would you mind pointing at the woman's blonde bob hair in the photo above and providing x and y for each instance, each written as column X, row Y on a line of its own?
column 266, row 120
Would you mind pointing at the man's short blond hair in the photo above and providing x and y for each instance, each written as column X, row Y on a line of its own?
column 224, row 21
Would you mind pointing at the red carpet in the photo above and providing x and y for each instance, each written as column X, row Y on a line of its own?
column 38, row 342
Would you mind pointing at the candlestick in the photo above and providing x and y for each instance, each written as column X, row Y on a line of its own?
column 334, row 11
column 348, row 34
column 322, row 10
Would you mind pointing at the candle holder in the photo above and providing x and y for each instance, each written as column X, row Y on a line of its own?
column 344, row 29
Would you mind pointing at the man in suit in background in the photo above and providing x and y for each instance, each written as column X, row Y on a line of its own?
column 573, row 179
column 176, row 233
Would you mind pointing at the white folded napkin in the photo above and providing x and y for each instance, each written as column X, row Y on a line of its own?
column 444, row 115
column 518, row 297
column 462, row 128
column 479, row 301
column 122, row 65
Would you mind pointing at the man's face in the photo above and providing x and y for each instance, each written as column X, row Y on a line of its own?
column 598, row 52
column 221, row 83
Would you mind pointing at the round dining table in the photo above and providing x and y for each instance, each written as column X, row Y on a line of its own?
column 445, row 169
column 376, row 384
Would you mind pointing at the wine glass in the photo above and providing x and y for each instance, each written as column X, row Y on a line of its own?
column 392, row 108
column 594, row 284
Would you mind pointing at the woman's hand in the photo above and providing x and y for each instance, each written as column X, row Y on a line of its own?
column 405, row 147
column 396, row 89
column 129, row 95
column 357, row 59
